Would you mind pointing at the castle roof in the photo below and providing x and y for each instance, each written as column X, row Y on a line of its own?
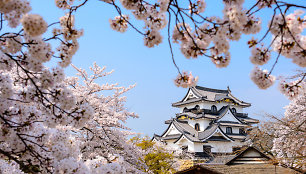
column 188, row 132
column 241, row 119
column 250, row 160
column 250, row 155
column 203, row 94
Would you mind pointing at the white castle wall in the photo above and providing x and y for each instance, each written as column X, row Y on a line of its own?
column 198, row 147
column 218, row 147
column 223, row 147
column 207, row 105
column 172, row 145
column 172, row 130
column 185, row 142
column 228, row 116
column 234, row 129
column 202, row 122
column 192, row 147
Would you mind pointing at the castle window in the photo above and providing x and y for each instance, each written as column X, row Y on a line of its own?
column 234, row 111
column 185, row 109
column 197, row 127
column 185, row 148
column 229, row 130
column 197, row 107
column 213, row 108
column 207, row 149
column 241, row 131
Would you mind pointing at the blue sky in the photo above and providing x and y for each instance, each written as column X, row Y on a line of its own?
column 152, row 69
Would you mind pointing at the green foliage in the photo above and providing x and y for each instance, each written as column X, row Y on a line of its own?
column 157, row 158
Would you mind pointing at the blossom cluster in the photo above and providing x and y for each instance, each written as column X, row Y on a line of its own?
column 12, row 43
column 185, row 80
column 292, row 89
column 198, row 7
column 265, row 3
column 34, row 24
column 119, row 23
column 68, row 28
column 64, row 4
column 288, row 35
column 260, row 56
column 262, row 78
column 6, row 90
column 13, row 11
column 9, row 167
column 153, row 16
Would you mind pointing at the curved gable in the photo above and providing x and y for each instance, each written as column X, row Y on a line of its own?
column 184, row 137
column 190, row 95
column 171, row 130
column 220, row 132
column 229, row 116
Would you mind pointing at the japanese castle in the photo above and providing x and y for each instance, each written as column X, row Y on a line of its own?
column 210, row 121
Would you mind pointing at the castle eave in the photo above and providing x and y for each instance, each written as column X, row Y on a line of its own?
column 239, row 137
column 171, row 137
column 209, row 95
column 222, row 123
column 182, row 103
column 250, row 120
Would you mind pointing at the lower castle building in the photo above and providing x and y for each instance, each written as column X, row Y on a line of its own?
column 210, row 121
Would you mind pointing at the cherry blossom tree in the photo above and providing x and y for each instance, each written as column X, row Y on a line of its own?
column 91, row 138
column 290, row 135
column 50, row 123
column 284, row 138
column 104, row 136
column 37, row 109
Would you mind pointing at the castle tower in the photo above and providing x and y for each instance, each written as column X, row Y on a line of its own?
column 209, row 121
